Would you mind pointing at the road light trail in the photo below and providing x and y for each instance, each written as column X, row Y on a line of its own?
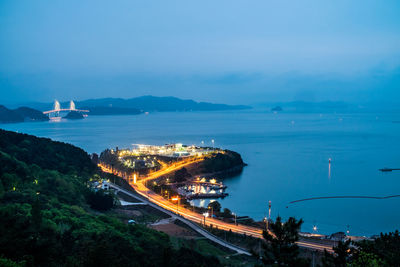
column 145, row 192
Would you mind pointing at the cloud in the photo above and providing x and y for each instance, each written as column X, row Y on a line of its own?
column 223, row 49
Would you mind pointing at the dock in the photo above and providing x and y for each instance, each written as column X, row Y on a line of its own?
column 205, row 195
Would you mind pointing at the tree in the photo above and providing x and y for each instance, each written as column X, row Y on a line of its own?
column 386, row 247
column 181, row 175
column 9, row 263
column 215, row 206
column 55, row 227
column 367, row 260
column 280, row 248
column 101, row 200
column 341, row 255
column 227, row 213
column 36, row 214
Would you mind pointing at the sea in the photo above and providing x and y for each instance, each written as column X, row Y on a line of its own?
column 291, row 156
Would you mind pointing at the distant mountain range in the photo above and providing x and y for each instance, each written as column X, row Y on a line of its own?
column 153, row 103
column 20, row 115
column 98, row 111
column 114, row 106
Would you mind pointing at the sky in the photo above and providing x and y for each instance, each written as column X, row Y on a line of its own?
column 237, row 52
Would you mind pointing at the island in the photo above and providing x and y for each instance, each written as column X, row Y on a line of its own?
column 21, row 114
column 74, row 115
column 276, row 109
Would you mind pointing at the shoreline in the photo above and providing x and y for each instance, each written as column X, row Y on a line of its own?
column 251, row 228
column 195, row 217
column 195, row 167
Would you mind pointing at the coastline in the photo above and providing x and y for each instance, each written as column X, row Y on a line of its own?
column 269, row 149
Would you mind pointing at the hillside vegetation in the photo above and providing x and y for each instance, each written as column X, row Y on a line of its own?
column 220, row 162
column 45, row 218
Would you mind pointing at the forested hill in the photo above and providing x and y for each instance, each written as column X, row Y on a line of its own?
column 45, row 153
column 45, row 218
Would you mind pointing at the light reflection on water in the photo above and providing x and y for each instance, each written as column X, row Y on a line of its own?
column 200, row 189
column 202, row 203
column 287, row 161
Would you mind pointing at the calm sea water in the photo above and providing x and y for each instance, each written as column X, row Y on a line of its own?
column 287, row 154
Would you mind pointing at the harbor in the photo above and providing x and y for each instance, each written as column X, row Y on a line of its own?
column 201, row 189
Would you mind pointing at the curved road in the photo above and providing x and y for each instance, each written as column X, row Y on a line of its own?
column 141, row 189
column 187, row 222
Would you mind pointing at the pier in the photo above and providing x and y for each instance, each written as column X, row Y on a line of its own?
column 191, row 190
column 214, row 186
column 206, row 195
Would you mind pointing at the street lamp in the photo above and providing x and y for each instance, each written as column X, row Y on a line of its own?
column 212, row 211
column 205, row 214
column 266, row 223
column 212, row 141
column 177, row 202
column 234, row 214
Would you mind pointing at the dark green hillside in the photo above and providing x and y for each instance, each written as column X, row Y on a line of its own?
column 20, row 115
column 223, row 162
column 45, row 153
column 45, row 219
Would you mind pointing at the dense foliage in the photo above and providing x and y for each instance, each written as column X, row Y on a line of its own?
column 280, row 248
column 181, row 175
column 46, row 154
column 111, row 159
column 46, row 220
column 100, row 200
column 382, row 251
column 223, row 161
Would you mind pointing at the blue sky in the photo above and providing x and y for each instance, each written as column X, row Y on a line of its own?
column 218, row 51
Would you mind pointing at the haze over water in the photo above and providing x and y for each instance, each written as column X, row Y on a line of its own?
column 287, row 153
